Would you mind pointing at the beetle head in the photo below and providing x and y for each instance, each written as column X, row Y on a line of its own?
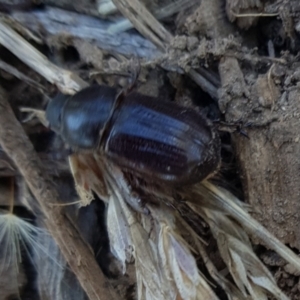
column 54, row 111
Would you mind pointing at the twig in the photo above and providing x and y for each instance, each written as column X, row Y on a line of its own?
column 21, row 29
column 251, row 225
column 66, row 81
column 255, row 59
column 81, row 260
column 160, row 13
column 142, row 24
column 206, row 86
column 254, row 15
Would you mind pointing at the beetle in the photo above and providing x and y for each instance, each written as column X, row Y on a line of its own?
column 156, row 139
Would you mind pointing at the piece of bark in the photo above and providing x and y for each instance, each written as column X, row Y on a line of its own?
column 268, row 159
column 74, row 249
column 270, row 171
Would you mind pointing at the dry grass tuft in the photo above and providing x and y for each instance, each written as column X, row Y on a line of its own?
column 164, row 246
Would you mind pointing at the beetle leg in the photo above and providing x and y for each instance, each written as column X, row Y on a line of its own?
column 232, row 127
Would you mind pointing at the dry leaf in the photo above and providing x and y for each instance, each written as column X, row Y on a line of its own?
column 121, row 244
column 248, row 272
column 164, row 261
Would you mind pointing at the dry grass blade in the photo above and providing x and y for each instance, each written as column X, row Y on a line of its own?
column 66, row 81
column 144, row 21
column 119, row 233
column 229, row 204
column 247, row 264
column 10, row 69
column 244, row 266
column 21, row 29
column 231, row 290
column 146, row 263
column 148, row 273
column 142, row 24
column 160, row 13
column 149, row 19
column 248, row 272
column 165, row 265
column 205, row 84
column 178, row 263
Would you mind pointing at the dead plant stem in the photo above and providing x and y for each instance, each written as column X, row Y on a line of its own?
column 77, row 254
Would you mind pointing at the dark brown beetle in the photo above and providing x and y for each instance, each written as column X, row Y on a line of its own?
column 156, row 139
